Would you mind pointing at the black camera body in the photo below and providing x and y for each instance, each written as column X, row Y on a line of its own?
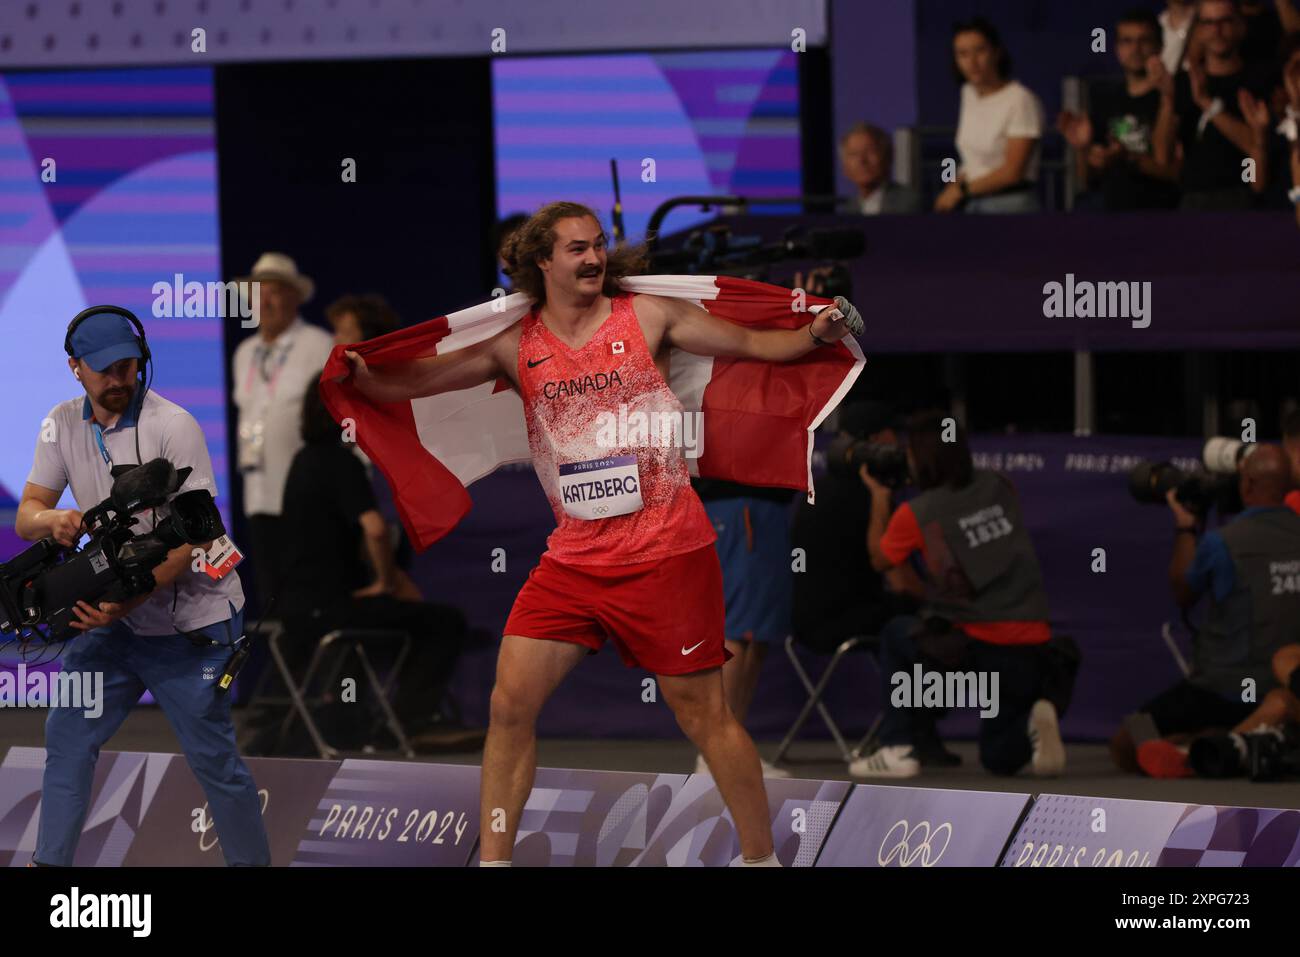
column 887, row 464
column 40, row 587
column 1273, row 756
column 1198, row 492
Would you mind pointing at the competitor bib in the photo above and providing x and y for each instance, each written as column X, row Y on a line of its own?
column 601, row 488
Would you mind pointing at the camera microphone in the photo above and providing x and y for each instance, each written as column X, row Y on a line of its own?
column 146, row 484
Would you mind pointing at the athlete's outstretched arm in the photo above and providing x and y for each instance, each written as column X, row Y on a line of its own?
column 689, row 327
column 431, row 375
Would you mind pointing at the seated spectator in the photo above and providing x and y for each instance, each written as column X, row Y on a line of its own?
column 1114, row 143
column 839, row 595
column 1248, row 622
column 998, row 132
column 867, row 157
column 329, row 516
column 1204, row 131
column 983, row 607
column 358, row 318
column 1175, row 26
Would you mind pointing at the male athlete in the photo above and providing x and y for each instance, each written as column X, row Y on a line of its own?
column 632, row 555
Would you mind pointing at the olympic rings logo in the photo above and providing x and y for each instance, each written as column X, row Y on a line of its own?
column 905, row 853
column 600, row 510
column 206, row 825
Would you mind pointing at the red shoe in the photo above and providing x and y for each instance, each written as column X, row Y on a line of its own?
column 1164, row 759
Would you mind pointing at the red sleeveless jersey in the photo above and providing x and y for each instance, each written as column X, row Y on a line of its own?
column 599, row 428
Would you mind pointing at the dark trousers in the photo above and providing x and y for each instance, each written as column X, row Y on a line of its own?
column 825, row 633
column 438, row 635
column 1022, row 669
column 264, row 557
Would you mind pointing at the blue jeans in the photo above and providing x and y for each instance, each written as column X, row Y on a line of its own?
column 183, row 679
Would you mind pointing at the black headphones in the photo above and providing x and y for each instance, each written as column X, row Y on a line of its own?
column 126, row 314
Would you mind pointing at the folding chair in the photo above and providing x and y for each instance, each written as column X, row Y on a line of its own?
column 302, row 700
column 1167, row 633
column 867, row 643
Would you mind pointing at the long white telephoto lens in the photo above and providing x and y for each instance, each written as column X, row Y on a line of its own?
column 1222, row 454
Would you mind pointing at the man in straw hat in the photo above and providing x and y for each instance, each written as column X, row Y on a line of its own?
column 272, row 369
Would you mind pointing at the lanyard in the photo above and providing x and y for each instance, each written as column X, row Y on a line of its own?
column 259, row 365
column 99, row 441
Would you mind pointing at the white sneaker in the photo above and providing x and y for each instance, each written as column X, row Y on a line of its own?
column 894, row 761
column 769, row 770
column 1045, row 736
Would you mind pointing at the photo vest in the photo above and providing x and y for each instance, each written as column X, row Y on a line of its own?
column 981, row 562
column 1262, row 613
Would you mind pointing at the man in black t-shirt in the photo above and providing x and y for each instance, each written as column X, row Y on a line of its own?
column 1114, row 143
column 329, row 516
column 1204, row 130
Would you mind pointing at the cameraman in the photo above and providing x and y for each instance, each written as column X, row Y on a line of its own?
column 173, row 641
column 984, row 606
column 1250, row 619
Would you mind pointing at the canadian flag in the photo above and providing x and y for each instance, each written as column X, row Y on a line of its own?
column 616, row 347
column 758, row 417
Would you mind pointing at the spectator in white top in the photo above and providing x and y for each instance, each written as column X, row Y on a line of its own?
column 271, row 371
column 1175, row 23
column 999, row 131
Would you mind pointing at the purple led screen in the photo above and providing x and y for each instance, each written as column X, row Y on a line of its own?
column 709, row 122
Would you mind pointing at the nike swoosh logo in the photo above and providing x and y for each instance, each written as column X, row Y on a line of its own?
column 687, row 651
column 531, row 363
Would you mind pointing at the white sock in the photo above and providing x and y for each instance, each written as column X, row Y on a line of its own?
column 769, row 861
column 494, row 864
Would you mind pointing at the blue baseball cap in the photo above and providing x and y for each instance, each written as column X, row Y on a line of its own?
column 103, row 338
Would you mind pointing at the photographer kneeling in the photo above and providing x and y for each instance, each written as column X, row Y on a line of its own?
column 1250, row 568
column 984, row 608
column 329, row 515
column 173, row 641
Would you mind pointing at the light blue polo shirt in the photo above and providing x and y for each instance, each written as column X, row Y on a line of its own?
column 73, row 457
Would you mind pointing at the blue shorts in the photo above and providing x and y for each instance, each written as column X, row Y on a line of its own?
column 754, row 549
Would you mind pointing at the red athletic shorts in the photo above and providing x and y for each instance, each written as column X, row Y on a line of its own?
column 666, row 615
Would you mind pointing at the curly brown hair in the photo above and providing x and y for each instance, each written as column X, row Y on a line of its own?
column 535, row 240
